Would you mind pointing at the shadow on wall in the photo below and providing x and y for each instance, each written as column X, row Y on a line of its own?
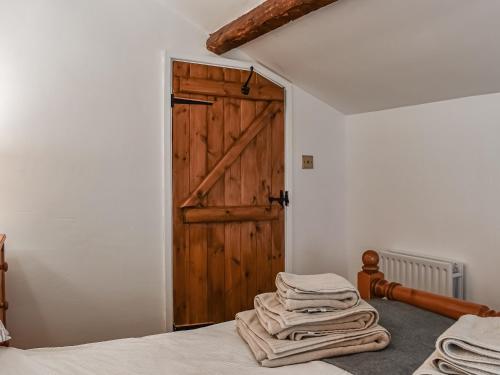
column 24, row 318
column 61, row 300
column 34, row 317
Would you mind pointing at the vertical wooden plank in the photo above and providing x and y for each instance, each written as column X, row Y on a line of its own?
column 263, row 145
column 249, row 190
column 265, row 280
column 232, row 197
column 216, row 232
column 198, row 293
column 179, row 69
column 278, row 183
column 180, row 189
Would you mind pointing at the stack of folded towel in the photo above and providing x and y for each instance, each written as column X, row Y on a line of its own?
column 469, row 347
column 315, row 293
column 309, row 318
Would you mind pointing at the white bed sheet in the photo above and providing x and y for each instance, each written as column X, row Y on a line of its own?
column 212, row 350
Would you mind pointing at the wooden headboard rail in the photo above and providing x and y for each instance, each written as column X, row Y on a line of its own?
column 371, row 284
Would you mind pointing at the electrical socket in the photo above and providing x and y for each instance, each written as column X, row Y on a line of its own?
column 307, row 162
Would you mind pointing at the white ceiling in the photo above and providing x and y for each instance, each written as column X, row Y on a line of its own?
column 213, row 14
column 366, row 55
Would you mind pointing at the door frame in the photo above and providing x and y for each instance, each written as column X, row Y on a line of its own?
column 168, row 58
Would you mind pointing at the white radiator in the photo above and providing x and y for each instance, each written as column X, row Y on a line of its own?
column 436, row 275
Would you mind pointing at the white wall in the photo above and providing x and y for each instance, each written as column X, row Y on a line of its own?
column 81, row 153
column 81, row 165
column 319, row 194
column 427, row 179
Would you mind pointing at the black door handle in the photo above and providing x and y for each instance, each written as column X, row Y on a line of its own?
column 283, row 199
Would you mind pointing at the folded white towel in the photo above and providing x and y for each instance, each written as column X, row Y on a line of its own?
column 4, row 334
column 272, row 352
column 313, row 292
column 471, row 346
column 429, row 368
column 292, row 325
column 315, row 305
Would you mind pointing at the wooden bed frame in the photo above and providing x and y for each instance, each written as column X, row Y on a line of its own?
column 4, row 305
column 371, row 284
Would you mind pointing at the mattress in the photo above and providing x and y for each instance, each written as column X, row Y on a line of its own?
column 211, row 350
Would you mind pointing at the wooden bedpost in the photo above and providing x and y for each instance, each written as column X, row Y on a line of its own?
column 371, row 284
column 370, row 275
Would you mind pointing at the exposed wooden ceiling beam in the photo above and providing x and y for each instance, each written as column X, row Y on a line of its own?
column 269, row 15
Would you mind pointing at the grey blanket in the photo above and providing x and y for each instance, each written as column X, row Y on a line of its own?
column 413, row 337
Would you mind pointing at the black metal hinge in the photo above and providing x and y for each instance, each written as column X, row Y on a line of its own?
column 245, row 89
column 176, row 100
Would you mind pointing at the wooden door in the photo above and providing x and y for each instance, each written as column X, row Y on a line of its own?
column 228, row 159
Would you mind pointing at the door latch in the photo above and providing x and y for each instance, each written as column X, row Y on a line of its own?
column 283, row 199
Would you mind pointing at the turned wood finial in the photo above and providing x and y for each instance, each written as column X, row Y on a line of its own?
column 370, row 274
column 370, row 261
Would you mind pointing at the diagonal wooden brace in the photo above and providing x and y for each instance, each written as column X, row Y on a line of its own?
column 259, row 123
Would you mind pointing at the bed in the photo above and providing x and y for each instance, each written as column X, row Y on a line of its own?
column 415, row 319
column 210, row 350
